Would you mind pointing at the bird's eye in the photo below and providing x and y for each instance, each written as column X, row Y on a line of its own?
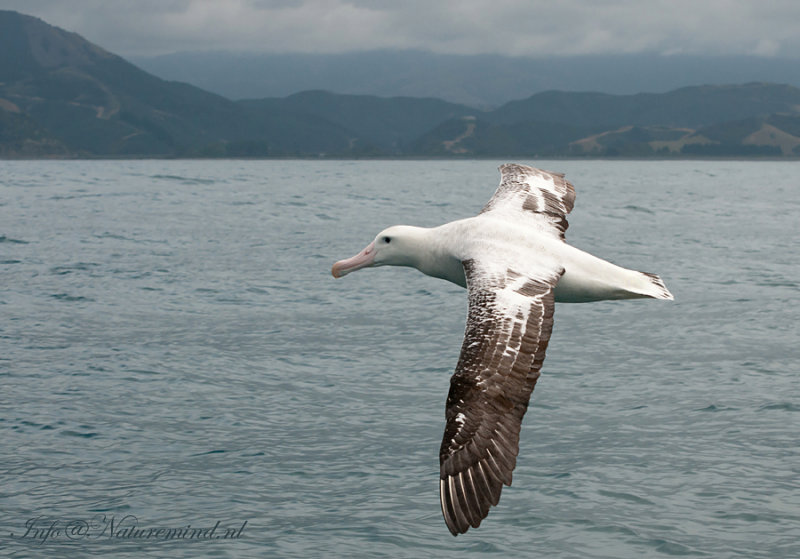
column 387, row 240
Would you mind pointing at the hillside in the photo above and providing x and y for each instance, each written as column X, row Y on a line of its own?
column 750, row 120
column 775, row 135
column 87, row 101
column 62, row 96
column 97, row 103
column 386, row 124
column 685, row 107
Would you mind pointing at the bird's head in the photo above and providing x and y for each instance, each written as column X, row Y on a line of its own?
column 395, row 246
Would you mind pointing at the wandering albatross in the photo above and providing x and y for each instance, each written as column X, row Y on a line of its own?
column 515, row 264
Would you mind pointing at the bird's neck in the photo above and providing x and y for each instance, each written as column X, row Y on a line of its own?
column 435, row 258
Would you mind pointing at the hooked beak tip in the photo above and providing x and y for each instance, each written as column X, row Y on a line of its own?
column 361, row 260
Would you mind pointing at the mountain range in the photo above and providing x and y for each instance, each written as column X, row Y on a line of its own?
column 61, row 95
column 485, row 81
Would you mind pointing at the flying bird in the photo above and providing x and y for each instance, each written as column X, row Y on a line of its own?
column 513, row 259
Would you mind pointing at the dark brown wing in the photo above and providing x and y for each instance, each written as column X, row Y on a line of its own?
column 508, row 327
column 524, row 190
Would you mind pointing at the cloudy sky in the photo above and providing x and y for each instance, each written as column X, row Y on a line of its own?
column 512, row 27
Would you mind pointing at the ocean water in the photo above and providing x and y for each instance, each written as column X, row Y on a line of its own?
column 174, row 355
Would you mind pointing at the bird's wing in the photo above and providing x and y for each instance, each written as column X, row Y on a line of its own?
column 508, row 327
column 541, row 195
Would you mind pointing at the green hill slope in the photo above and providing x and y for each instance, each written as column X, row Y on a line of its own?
column 95, row 103
column 686, row 107
column 60, row 95
column 389, row 125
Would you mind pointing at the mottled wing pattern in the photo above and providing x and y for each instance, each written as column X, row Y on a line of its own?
column 508, row 327
column 524, row 190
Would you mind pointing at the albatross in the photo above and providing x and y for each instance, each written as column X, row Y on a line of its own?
column 515, row 264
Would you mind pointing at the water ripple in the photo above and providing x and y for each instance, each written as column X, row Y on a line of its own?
column 174, row 348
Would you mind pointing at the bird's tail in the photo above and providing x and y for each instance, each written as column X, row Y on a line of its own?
column 653, row 286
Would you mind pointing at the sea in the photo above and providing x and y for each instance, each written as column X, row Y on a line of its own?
column 180, row 375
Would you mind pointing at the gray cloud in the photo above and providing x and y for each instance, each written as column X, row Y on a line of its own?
column 513, row 27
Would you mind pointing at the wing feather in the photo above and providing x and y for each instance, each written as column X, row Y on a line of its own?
column 544, row 196
column 508, row 327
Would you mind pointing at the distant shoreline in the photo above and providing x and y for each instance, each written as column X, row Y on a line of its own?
column 395, row 158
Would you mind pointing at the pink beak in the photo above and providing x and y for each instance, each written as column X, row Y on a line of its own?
column 360, row 260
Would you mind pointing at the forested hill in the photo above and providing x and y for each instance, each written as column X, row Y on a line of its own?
column 61, row 95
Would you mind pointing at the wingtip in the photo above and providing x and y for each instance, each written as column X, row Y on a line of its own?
column 447, row 508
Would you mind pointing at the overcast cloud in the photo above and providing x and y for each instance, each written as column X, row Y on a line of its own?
column 511, row 27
